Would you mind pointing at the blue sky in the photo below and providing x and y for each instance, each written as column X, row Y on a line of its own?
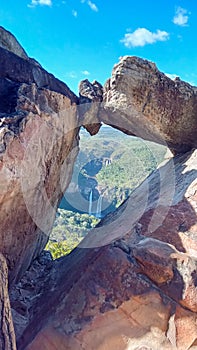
column 78, row 39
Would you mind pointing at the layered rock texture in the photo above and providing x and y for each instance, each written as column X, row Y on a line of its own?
column 10, row 43
column 90, row 101
column 140, row 100
column 132, row 282
column 7, row 334
column 38, row 146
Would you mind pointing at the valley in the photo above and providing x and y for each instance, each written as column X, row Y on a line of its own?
column 109, row 166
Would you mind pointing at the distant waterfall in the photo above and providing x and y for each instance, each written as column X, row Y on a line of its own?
column 107, row 162
column 90, row 203
column 99, row 207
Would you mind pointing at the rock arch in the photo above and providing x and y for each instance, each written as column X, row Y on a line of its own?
column 134, row 277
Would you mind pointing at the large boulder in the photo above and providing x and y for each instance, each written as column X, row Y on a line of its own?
column 38, row 146
column 90, row 100
column 131, row 283
column 140, row 100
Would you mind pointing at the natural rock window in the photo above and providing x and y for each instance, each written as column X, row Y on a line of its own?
column 131, row 282
column 109, row 166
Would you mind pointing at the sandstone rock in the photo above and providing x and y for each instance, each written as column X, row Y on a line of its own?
column 140, row 100
column 24, row 295
column 131, row 283
column 10, row 43
column 26, row 71
column 38, row 146
column 90, row 98
column 39, row 143
column 7, row 335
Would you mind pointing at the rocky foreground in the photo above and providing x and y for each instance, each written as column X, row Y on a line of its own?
column 132, row 282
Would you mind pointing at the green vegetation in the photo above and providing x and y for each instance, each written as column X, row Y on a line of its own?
column 125, row 162
column 69, row 229
column 130, row 165
column 62, row 248
column 71, row 226
column 130, row 160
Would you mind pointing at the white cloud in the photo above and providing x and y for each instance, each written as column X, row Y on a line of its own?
column 143, row 36
column 40, row 2
column 171, row 76
column 74, row 13
column 72, row 74
column 85, row 72
column 193, row 83
column 181, row 17
column 186, row 78
column 91, row 4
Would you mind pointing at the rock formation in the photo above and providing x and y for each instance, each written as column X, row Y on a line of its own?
column 132, row 282
column 7, row 334
column 140, row 100
column 90, row 98
column 38, row 146
column 10, row 43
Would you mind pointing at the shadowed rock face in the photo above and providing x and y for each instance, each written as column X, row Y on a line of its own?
column 90, row 100
column 10, row 43
column 27, row 71
column 7, row 334
column 132, row 282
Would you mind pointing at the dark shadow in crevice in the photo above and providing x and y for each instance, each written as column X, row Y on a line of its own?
column 87, row 271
